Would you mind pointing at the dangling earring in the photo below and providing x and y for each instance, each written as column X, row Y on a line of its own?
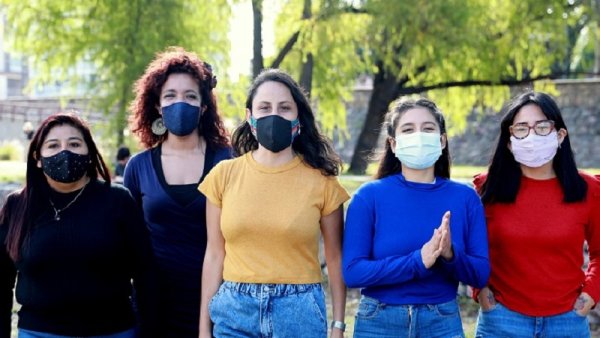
column 158, row 127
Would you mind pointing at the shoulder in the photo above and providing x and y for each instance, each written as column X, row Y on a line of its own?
column 223, row 153
column 593, row 182
column 113, row 191
column 462, row 189
column 141, row 158
column 374, row 187
column 227, row 165
column 479, row 180
column 11, row 199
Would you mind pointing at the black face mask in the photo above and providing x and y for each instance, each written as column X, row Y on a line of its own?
column 274, row 132
column 66, row 166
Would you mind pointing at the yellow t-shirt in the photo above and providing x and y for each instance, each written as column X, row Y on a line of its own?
column 270, row 218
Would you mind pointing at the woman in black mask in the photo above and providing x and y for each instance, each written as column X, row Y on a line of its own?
column 76, row 243
column 265, row 212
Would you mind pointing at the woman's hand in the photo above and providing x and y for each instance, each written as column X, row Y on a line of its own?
column 446, row 242
column 486, row 299
column 583, row 304
column 432, row 249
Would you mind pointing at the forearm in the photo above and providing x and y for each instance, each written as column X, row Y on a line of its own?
column 337, row 286
column 212, row 276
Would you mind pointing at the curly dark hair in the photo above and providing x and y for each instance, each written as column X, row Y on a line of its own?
column 28, row 203
column 389, row 164
column 315, row 148
column 175, row 60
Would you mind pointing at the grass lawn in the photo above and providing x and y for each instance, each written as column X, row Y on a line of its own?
column 12, row 171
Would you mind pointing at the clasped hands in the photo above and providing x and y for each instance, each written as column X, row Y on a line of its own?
column 440, row 243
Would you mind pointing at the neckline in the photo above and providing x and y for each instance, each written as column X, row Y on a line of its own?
column 437, row 182
column 272, row 170
column 172, row 190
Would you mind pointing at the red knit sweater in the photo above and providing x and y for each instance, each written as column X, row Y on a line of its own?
column 536, row 247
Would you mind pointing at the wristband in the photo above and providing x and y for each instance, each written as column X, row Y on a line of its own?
column 336, row 324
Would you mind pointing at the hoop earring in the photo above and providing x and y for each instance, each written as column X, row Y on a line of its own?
column 158, row 127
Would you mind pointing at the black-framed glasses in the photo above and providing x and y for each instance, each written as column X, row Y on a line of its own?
column 541, row 128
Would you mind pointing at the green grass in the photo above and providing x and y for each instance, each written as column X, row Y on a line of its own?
column 12, row 171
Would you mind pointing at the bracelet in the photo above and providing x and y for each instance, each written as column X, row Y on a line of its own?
column 336, row 324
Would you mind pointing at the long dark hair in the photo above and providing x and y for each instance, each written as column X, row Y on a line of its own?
column 175, row 60
column 314, row 146
column 389, row 164
column 26, row 204
column 504, row 173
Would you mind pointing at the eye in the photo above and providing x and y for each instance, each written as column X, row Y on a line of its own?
column 168, row 96
column 406, row 130
column 52, row 146
column 75, row 144
column 263, row 108
column 192, row 96
column 429, row 129
column 286, row 108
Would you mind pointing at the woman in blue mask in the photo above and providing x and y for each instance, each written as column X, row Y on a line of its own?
column 412, row 234
column 76, row 242
column 265, row 213
column 176, row 118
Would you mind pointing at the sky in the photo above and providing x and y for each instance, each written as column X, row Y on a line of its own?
column 240, row 36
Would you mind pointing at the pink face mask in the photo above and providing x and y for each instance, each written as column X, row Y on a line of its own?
column 534, row 151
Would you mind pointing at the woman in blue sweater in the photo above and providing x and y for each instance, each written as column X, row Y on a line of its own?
column 412, row 234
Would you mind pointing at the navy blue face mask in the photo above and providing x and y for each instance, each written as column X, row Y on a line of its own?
column 66, row 166
column 181, row 118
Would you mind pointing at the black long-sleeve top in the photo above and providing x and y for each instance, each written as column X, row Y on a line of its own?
column 74, row 274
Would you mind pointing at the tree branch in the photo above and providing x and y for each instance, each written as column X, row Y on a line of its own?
column 469, row 83
column 294, row 38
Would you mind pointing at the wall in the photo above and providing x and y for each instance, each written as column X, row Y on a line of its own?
column 579, row 101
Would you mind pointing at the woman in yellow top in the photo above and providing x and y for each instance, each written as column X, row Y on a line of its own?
column 265, row 212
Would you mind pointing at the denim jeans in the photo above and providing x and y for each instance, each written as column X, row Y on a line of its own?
column 375, row 319
column 268, row 310
column 34, row 334
column 502, row 322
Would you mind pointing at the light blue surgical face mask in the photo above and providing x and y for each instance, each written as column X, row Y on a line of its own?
column 418, row 150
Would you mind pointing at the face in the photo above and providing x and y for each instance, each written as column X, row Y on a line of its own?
column 274, row 98
column 63, row 137
column 180, row 87
column 530, row 114
column 417, row 120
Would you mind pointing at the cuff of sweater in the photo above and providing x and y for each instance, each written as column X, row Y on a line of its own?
column 593, row 292
column 451, row 262
column 421, row 270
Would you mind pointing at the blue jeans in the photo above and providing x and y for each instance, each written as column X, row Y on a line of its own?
column 375, row 319
column 502, row 322
column 268, row 310
column 34, row 334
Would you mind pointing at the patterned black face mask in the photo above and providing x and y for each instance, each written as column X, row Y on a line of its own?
column 66, row 166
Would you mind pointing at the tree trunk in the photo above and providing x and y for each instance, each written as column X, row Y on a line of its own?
column 307, row 66
column 257, row 59
column 385, row 90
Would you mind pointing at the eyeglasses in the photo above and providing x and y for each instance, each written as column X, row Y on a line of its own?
column 541, row 128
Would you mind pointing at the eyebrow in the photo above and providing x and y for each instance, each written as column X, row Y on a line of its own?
column 413, row 124
column 187, row 91
column 76, row 138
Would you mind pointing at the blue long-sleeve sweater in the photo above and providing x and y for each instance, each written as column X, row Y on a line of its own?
column 387, row 223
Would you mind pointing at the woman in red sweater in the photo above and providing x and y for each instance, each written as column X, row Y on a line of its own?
column 540, row 210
